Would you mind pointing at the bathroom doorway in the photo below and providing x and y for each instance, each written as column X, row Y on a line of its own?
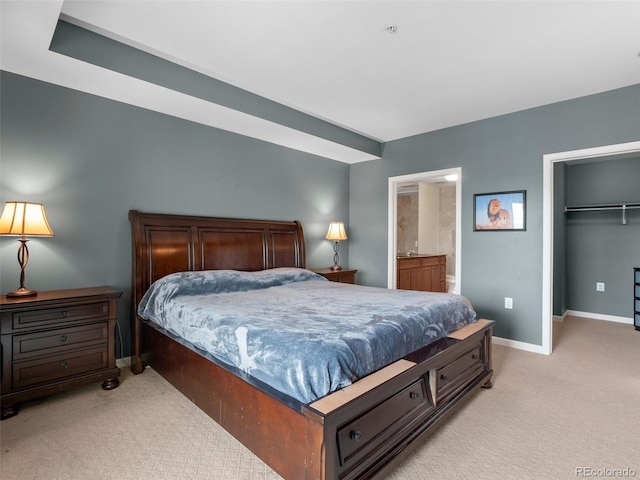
column 424, row 218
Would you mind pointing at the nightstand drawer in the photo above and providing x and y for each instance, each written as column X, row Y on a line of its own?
column 50, row 316
column 46, row 369
column 59, row 340
column 341, row 276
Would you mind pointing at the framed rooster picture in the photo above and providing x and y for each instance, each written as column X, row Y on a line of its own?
column 500, row 211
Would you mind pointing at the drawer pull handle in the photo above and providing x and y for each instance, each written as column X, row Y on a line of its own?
column 63, row 338
column 64, row 365
column 355, row 435
column 444, row 377
column 475, row 356
column 414, row 395
column 65, row 314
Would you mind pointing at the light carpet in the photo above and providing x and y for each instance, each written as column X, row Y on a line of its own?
column 573, row 414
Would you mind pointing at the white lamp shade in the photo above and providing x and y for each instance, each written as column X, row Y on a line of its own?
column 24, row 218
column 336, row 232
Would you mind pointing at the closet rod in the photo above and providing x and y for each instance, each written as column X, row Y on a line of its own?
column 614, row 206
column 623, row 206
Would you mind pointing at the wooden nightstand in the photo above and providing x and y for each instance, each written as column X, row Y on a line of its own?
column 342, row 276
column 55, row 341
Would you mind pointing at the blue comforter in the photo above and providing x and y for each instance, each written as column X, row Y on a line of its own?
column 296, row 331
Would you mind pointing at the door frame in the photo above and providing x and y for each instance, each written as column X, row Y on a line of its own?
column 393, row 220
column 547, row 222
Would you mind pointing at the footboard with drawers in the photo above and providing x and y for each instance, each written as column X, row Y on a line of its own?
column 402, row 402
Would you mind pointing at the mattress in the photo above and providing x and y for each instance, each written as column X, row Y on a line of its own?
column 295, row 331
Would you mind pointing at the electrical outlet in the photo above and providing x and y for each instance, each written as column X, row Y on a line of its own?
column 599, row 286
column 508, row 302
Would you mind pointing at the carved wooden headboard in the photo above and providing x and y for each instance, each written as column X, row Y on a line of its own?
column 164, row 244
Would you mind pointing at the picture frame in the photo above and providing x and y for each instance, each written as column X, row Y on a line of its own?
column 500, row 211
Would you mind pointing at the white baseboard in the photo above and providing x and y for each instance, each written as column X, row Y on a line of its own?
column 556, row 318
column 528, row 347
column 599, row 316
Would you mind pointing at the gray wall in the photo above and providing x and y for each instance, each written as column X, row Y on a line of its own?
column 497, row 154
column 599, row 248
column 90, row 160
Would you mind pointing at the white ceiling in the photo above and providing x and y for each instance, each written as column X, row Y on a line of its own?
column 449, row 63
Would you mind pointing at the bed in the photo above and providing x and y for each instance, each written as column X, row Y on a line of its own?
column 358, row 428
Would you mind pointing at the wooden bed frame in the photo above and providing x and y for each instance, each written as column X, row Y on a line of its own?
column 358, row 432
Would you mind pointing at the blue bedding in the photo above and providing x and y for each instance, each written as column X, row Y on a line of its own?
column 296, row 331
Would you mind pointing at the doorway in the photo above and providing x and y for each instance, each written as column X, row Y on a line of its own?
column 452, row 178
column 607, row 152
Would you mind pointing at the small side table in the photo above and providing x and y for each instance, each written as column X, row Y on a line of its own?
column 342, row 276
column 55, row 341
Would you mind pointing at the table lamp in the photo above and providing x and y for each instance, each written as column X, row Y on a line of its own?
column 24, row 219
column 336, row 233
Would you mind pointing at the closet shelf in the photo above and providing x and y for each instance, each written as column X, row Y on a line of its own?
column 611, row 206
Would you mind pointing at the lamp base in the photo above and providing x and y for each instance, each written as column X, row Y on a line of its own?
column 22, row 292
column 335, row 268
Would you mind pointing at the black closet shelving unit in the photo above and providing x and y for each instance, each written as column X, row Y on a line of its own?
column 636, row 298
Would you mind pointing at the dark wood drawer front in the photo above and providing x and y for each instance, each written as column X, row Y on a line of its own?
column 32, row 372
column 51, row 316
column 59, row 340
column 340, row 276
column 458, row 373
column 377, row 424
column 346, row 278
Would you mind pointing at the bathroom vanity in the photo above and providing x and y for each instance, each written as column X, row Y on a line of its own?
column 427, row 273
